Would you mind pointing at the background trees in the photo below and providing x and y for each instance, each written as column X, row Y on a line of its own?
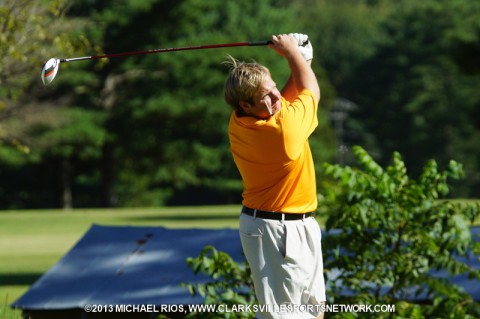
column 40, row 134
column 151, row 130
column 417, row 92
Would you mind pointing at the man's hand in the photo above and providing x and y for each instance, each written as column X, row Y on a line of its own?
column 304, row 45
column 285, row 45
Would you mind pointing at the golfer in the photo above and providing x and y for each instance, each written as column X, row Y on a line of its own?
column 268, row 132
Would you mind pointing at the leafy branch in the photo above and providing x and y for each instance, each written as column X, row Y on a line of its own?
column 397, row 234
column 231, row 282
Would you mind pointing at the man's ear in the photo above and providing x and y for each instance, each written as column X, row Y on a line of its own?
column 245, row 106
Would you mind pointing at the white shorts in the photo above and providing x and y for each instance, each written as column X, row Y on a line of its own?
column 287, row 266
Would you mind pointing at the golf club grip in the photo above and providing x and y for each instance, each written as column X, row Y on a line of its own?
column 256, row 43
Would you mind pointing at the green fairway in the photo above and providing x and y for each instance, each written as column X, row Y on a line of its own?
column 32, row 241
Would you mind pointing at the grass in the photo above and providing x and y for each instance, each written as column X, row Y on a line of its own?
column 32, row 241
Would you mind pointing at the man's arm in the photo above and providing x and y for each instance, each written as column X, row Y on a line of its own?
column 302, row 75
column 289, row 91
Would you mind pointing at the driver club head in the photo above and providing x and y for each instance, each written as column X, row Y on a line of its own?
column 49, row 70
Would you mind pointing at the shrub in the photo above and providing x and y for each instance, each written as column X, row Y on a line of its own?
column 231, row 283
column 396, row 234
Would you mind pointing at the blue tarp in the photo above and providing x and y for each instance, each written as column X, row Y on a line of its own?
column 127, row 265
column 143, row 265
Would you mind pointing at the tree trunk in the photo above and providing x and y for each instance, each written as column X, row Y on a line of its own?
column 108, row 195
column 65, row 183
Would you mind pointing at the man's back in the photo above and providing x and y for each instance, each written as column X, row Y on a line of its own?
column 274, row 157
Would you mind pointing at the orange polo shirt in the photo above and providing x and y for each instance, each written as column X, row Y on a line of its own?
column 274, row 157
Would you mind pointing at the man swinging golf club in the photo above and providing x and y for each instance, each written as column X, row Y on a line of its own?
column 268, row 132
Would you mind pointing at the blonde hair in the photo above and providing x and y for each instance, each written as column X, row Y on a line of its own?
column 243, row 82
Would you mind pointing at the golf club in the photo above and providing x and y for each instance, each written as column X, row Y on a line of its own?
column 50, row 68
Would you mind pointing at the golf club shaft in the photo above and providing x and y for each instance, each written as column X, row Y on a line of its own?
column 197, row 47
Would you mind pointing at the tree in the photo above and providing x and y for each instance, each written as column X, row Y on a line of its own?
column 417, row 92
column 32, row 31
column 345, row 34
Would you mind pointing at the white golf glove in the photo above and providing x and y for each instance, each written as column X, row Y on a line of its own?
column 304, row 45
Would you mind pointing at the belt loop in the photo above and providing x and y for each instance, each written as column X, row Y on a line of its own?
column 303, row 217
column 254, row 213
column 283, row 217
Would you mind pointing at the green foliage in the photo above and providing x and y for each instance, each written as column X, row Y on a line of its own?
column 29, row 32
column 344, row 33
column 231, row 283
column 67, row 132
column 34, row 128
column 396, row 232
column 417, row 90
column 411, row 67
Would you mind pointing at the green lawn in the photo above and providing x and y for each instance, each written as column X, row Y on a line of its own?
column 32, row 241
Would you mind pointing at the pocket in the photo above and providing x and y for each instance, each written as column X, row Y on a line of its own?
column 252, row 248
column 251, row 239
column 293, row 244
column 250, row 226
